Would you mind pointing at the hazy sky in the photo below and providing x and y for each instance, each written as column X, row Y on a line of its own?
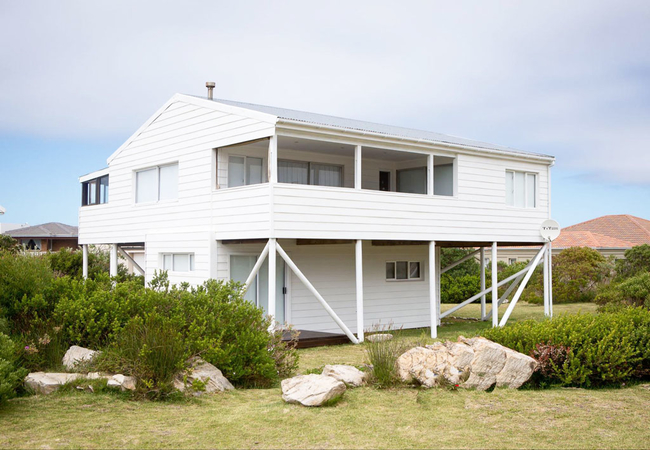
column 566, row 78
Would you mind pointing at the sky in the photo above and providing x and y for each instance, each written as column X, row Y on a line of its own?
column 565, row 78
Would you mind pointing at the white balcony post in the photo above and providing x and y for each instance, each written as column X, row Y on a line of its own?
column 272, row 263
column 483, row 312
column 113, row 260
column 430, row 175
column 438, row 290
column 495, row 289
column 273, row 159
column 357, row 167
column 545, row 266
column 550, row 278
column 358, row 253
column 84, row 249
column 432, row 289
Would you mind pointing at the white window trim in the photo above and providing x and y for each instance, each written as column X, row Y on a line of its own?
column 408, row 270
column 158, row 167
column 173, row 254
column 525, row 189
column 245, row 171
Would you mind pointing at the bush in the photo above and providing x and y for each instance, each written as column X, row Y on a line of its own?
column 637, row 260
column 9, row 244
column 11, row 375
column 607, row 348
column 634, row 291
column 67, row 262
column 382, row 356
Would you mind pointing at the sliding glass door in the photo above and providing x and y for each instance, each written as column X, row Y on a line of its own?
column 242, row 265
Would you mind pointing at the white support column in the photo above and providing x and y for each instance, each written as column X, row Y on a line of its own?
column 545, row 266
column 550, row 278
column 430, row 175
column 432, row 289
column 113, row 260
column 438, row 291
column 483, row 308
column 358, row 253
column 273, row 159
column 272, row 265
column 84, row 249
column 357, row 167
column 495, row 291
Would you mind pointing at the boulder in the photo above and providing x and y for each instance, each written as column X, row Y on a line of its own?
column 121, row 381
column 350, row 375
column 205, row 373
column 311, row 390
column 46, row 383
column 381, row 337
column 476, row 363
column 76, row 355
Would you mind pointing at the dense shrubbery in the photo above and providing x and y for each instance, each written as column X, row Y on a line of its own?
column 11, row 375
column 631, row 286
column 608, row 348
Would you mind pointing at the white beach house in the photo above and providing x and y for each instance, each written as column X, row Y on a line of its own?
column 335, row 224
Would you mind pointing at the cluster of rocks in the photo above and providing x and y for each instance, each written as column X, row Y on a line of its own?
column 200, row 377
column 316, row 390
column 475, row 363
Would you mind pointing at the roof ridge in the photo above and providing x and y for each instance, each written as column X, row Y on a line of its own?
column 636, row 222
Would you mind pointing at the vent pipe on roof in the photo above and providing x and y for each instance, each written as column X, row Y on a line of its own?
column 210, row 85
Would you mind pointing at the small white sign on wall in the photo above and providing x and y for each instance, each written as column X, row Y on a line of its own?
column 550, row 229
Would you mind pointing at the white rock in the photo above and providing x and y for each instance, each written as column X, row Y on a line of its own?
column 381, row 337
column 46, row 383
column 122, row 381
column 350, row 375
column 204, row 372
column 76, row 355
column 423, row 364
column 311, row 390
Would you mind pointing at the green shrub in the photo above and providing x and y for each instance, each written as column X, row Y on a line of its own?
column 382, row 356
column 67, row 262
column 9, row 244
column 11, row 375
column 634, row 291
column 607, row 348
column 152, row 350
column 637, row 260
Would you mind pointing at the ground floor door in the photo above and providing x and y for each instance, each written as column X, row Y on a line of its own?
column 242, row 265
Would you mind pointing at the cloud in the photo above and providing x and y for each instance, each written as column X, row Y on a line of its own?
column 564, row 78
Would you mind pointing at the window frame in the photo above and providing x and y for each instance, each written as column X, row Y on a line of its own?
column 97, row 183
column 173, row 256
column 157, row 184
column 526, row 174
column 246, row 180
column 408, row 270
column 341, row 167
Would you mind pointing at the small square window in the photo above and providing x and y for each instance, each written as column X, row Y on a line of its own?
column 390, row 270
column 403, row 270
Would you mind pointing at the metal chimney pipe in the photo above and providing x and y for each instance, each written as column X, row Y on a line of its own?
column 210, row 85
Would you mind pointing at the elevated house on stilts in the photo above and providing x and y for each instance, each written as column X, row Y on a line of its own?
column 333, row 224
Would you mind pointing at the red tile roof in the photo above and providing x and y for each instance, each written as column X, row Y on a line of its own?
column 616, row 231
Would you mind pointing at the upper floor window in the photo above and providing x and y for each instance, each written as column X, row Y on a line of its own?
column 156, row 183
column 95, row 191
column 244, row 170
column 413, row 180
column 301, row 172
column 521, row 189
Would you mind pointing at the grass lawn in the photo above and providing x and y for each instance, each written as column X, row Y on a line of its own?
column 365, row 418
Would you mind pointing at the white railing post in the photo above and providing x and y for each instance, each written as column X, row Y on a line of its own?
column 495, row 289
column 272, row 265
column 357, row 167
column 430, row 169
column 550, row 278
column 438, row 291
column 358, row 253
column 432, row 289
column 483, row 308
column 113, row 261
column 546, row 305
column 84, row 249
column 273, row 159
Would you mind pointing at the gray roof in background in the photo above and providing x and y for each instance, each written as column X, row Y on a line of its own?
column 360, row 125
column 46, row 230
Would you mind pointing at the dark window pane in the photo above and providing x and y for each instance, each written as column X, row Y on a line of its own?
column 390, row 270
column 414, row 270
column 402, row 270
column 103, row 189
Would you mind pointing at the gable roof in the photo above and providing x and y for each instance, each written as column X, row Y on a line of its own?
column 45, row 230
column 613, row 231
column 363, row 126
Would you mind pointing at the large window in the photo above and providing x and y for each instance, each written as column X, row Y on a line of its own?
column 244, row 170
column 521, row 189
column 157, row 183
column 299, row 172
column 178, row 262
column 413, row 181
column 403, row 270
column 95, row 191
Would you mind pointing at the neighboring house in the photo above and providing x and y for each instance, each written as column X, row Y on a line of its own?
column 48, row 237
column 4, row 227
column 357, row 211
column 611, row 235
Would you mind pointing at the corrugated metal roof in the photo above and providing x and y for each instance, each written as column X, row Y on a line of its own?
column 45, row 230
column 360, row 125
